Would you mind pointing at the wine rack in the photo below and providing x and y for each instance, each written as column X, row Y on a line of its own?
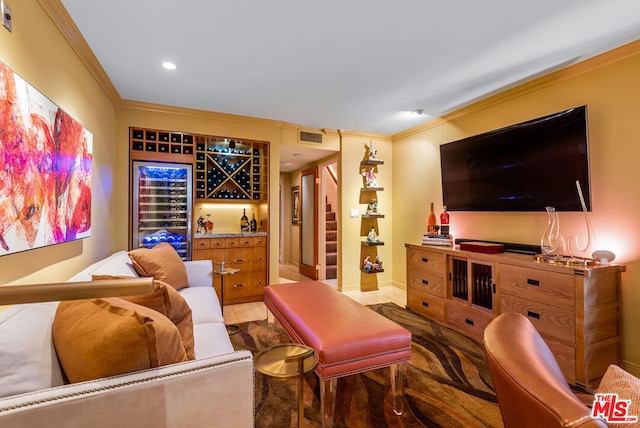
column 154, row 141
column 231, row 169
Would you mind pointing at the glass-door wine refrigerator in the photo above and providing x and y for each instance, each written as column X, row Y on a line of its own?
column 162, row 205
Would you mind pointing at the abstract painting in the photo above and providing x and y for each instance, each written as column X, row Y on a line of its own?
column 45, row 170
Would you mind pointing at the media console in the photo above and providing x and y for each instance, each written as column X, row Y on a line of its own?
column 575, row 309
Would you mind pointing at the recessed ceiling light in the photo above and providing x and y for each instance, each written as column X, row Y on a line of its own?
column 169, row 65
column 418, row 111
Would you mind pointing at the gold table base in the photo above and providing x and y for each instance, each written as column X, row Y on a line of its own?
column 288, row 361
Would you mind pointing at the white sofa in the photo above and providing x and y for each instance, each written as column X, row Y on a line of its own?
column 215, row 389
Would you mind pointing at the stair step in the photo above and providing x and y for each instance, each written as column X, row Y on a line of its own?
column 332, row 235
column 328, row 208
column 330, row 216
column 332, row 259
column 332, row 225
column 332, row 247
column 332, row 272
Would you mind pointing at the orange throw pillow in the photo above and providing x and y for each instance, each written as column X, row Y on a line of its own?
column 105, row 337
column 166, row 300
column 161, row 262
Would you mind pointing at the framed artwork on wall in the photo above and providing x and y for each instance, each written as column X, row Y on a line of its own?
column 45, row 169
column 295, row 205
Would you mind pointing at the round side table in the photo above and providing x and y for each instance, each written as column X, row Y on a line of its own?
column 288, row 361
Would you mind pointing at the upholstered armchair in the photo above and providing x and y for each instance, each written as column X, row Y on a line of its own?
column 531, row 390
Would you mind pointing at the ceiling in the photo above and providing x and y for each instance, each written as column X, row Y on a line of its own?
column 359, row 65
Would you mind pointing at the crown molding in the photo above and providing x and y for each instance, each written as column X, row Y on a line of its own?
column 184, row 111
column 356, row 134
column 76, row 40
column 588, row 65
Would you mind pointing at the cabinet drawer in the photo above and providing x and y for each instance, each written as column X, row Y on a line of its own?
column 259, row 282
column 201, row 243
column 427, row 283
column 215, row 255
column 238, row 242
column 238, row 285
column 239, row 258
column 259, row 241
column 259, row 258
column 466, row 319
column 552, row 323
column 426, row 261
column 425, row 304
column 551, row 288
column 216, row 243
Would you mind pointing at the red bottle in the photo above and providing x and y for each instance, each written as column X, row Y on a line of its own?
column 444, row 221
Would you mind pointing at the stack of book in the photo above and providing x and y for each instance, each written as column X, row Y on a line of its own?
column 435, row 239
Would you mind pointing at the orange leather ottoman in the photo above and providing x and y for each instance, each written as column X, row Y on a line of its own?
column 348, row 337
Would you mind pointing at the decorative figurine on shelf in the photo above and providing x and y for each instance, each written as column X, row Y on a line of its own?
column 370, row 177
column 366, row 264
column 372, row 236
column 372, row 153
column 377, row 265
column 200, row 223
column 372, row 208
column 208, row 225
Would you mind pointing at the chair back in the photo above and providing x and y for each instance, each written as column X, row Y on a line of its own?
column 531, row 389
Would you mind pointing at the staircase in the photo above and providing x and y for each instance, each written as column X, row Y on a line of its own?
column 332, row 243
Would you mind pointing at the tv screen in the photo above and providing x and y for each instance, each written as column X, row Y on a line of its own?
column 522, row 167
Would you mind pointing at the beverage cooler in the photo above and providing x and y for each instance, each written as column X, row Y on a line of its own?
column 161, row 205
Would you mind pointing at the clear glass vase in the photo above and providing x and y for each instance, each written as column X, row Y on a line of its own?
column 552, row 242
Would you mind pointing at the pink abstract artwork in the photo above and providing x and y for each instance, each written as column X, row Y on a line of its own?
column 45, row 170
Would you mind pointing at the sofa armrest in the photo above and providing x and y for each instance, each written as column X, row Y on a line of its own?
column 200, row 273
column 216, row 391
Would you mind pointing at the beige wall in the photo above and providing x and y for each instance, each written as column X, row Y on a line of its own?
column 611, row 93
column 38, row 52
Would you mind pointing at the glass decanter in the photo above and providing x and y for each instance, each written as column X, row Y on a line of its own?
column 552, row 242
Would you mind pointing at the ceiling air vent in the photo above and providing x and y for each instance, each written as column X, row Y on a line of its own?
column 310, row 137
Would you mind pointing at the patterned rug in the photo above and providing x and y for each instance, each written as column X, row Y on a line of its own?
column 448, row 383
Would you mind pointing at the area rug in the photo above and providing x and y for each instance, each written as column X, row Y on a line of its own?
column 448, row 382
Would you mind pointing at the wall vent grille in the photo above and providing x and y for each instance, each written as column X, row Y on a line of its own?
column 310, row 137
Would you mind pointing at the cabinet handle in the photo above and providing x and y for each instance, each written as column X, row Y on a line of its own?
column 468, row 321
column 239, row 260
column 426, row 260
column 533, row 282
column 239, row 285
column 534, row 315
column 246, row 242
column 425, row 282
column 494, row 287
column 260, row 259
column 425, row 304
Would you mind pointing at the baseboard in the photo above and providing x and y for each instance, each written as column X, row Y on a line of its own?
column 632, row 368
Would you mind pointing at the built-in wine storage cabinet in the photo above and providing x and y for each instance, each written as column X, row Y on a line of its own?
column 231, row 169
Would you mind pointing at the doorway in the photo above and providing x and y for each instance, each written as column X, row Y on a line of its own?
column 325, row 233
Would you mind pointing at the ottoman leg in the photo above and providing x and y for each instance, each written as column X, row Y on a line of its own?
column 271, row 324
column 398, row 373
column 328, row 401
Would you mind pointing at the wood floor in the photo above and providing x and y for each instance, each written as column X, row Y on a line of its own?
column 234, row 314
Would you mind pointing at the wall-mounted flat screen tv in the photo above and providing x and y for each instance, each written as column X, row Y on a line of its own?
column 522, row 167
